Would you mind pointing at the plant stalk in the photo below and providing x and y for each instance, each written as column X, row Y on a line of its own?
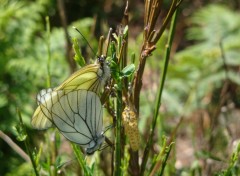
column 49, row 53
column 26, row 143
column 118, row 134
column 80, row 158
column 159, row 95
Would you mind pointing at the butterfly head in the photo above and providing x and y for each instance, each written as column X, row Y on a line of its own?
column 104, row 67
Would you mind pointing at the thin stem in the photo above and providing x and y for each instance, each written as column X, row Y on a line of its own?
column 155, row 11
column 173, row 8
column 118, row 135
column 14, row 146
column 158, row 161
column 80, row 158
column 100, row 46
column 62, row 14
column 49, row 53
column 169, row 148
column 26, row 143
column 159, row 96
column 147, row 48
column 107, row 42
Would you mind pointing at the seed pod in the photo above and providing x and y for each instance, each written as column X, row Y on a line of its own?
column 130, row 124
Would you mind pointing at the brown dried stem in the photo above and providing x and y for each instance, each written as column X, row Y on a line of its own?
column 151, row 37
column 70, row 61
column 14, row 146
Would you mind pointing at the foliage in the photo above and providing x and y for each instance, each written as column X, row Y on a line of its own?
column 194, row 76
column 22, row 53
column 200, row 71
column 23, row 60
column 204, row 63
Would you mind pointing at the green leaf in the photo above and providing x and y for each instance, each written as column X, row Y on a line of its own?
column 114, row 70
column 37, row 154
column 21, row 133
column 115, row 36
column 133, row 57
column 78, row 55
column 128, row 70
column 81, row 160
column 125, row 31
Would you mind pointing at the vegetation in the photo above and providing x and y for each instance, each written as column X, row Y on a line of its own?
column 173, row 99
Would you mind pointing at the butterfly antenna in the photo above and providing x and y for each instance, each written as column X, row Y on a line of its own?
column 84, row 38
column 103, row 147
column 108, row 127
column 107, row 144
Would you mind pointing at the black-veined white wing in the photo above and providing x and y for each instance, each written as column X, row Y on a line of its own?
column 45, row 99
column 76, row 114
column 91, row 77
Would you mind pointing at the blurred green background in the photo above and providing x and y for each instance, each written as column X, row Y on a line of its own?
column 202, row 85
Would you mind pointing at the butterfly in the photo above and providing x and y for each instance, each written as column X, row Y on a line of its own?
column 76, row 114
column 91, row 77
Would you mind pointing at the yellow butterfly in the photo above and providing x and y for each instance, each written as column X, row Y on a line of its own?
column 91, row 77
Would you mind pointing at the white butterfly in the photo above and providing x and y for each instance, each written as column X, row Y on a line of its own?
column 91, row 77
column 77, row 115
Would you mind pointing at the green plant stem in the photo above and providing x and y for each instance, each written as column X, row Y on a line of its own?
column 27, row 145
column 157, row 162
column 118, row 135
column 49, row 53
column 159, row 95
column 168, row 150
column 80, row 158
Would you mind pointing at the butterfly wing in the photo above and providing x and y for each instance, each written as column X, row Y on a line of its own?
column 41, row 118
column 86, row 78
column 91, row 77
column 78, row 116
